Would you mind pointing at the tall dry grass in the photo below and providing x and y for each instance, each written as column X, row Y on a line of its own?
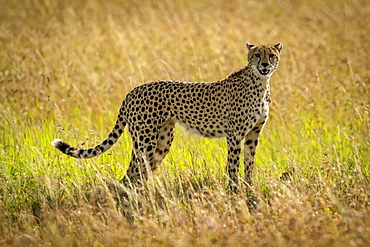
column 65, row 67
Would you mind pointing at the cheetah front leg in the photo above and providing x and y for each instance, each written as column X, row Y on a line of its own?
column 233, row 161
column 250, row 145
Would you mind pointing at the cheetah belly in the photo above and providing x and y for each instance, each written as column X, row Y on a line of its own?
column 208, row 130
column 190, row 130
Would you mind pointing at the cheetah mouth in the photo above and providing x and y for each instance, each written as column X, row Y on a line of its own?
column 264, row 71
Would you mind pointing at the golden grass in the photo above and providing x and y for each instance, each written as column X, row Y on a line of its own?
column 65, row 67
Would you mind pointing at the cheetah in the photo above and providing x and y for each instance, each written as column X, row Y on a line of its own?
column 236, row 107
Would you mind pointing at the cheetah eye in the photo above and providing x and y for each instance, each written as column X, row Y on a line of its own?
column 257, row 55
column 272, row 55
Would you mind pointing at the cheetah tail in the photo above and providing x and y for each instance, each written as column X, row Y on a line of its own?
column 95, row 151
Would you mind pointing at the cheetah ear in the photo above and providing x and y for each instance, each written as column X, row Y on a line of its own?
column 279, row 46
column 249, row 45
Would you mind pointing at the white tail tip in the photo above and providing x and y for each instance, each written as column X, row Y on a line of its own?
column 56, row 142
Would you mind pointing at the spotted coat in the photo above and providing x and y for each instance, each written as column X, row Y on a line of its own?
column 236, row 108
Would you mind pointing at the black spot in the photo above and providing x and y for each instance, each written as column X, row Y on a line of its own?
column 255, row 128
column 248, row 142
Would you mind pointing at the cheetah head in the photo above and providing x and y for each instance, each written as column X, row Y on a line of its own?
column 264, row 59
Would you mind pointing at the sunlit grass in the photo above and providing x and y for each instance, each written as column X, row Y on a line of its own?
column 65, row 67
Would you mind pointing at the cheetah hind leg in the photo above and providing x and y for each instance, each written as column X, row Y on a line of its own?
column 134, row 174
column 146, row 157
column 164, row 142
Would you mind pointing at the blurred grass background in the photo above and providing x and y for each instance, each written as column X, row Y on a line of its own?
column 65, row 67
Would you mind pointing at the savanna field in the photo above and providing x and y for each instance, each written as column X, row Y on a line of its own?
column 66, row 66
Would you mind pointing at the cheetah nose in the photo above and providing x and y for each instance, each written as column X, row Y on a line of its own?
column 265, row 64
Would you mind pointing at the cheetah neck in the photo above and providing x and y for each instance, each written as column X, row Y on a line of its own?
column 248, row 75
